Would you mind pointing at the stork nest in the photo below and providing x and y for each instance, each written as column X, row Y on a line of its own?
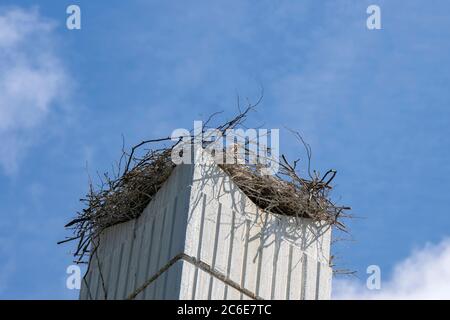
column 288, row 194
column 124, row 196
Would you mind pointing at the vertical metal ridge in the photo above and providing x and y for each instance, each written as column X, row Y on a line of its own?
column 139, row 253
column 258, row 271
column 304, row 265
column 169, row 251
column 260, row 255
column 199, row 248
column 165, row 249
column 245, row 255
column 94, row 275
column 149, row 257
column 108, row 268
column 130, row 258
column 289, row 275
column 274, row 267
column 216, row 244
column 317, row 281
column 230, row 250
column 194, row 284
column 154, row 289
column 172, row 228
column 116, row 287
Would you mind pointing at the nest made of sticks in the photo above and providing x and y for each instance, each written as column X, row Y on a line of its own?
column 124, row 195
column 293, row 197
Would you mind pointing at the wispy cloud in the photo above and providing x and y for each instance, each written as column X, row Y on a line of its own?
column 32, row 80
column 423, row 275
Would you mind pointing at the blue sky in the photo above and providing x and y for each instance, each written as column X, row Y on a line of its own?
column 373, row 104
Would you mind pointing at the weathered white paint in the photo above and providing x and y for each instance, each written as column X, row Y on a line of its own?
column 200, row 212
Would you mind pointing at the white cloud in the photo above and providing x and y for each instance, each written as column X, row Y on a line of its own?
column 32, row 80
column 423, row 275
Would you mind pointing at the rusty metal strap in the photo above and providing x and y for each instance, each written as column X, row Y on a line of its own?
column 201, row 265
